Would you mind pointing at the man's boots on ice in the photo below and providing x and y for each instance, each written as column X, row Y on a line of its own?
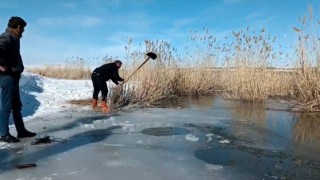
column 104, row 107
column 94, row 103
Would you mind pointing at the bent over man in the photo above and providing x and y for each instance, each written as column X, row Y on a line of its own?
column 99, row 77
column 11, row 67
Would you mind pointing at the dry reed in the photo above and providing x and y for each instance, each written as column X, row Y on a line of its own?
column 72, row 69
column 240, row 67
column 306, row 88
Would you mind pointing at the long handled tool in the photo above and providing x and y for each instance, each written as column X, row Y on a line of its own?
column 150, row 55
column 116, row 96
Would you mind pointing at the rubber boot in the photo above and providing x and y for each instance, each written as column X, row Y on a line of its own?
column 104, row 107
column 94, row 103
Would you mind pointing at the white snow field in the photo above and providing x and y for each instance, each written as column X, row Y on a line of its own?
column 41, row 96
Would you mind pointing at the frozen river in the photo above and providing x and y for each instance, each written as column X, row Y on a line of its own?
column 196, row 139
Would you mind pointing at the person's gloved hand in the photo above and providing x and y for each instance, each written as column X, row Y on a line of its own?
column 119, row 87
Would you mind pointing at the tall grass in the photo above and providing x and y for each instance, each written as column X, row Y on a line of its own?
column 239, row 67
column 157, row 79
column 74, row 68
column 198, row 75
column 247, row 76
column 306, row 90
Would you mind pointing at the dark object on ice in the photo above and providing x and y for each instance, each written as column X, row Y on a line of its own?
column 47, row 140
column 42, row 140
column 165, row 131
column 23, row 166
column 9, row 139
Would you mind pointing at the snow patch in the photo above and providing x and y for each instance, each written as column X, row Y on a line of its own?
column 92, row 126
column 99, row 122
column 41, row 95
column 4, row 145
column 224, row 141
column 192, row 138
column 209, row 137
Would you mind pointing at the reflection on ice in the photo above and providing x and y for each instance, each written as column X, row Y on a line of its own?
column 307, row 128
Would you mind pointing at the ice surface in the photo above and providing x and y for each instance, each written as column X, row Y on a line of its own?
column 98, row 145
column 213, row 167
column 150, row 143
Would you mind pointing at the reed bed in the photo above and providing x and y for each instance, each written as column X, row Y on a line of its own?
column 74, row 68
column 239, row 67
column 306, row 90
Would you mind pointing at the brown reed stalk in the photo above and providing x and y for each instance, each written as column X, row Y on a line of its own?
column 306, row 88
column 72, row 69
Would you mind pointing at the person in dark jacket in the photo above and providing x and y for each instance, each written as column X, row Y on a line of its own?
column 99, row 77
column 11, row 67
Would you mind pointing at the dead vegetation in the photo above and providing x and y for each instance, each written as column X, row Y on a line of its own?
column 238, row 68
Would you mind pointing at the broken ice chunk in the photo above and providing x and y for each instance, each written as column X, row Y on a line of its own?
column 192, row 138
column 226, row 141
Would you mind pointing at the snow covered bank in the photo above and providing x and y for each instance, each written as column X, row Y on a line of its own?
column 41, row 95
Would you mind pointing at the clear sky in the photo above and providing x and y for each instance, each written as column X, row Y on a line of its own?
column 60, row 29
